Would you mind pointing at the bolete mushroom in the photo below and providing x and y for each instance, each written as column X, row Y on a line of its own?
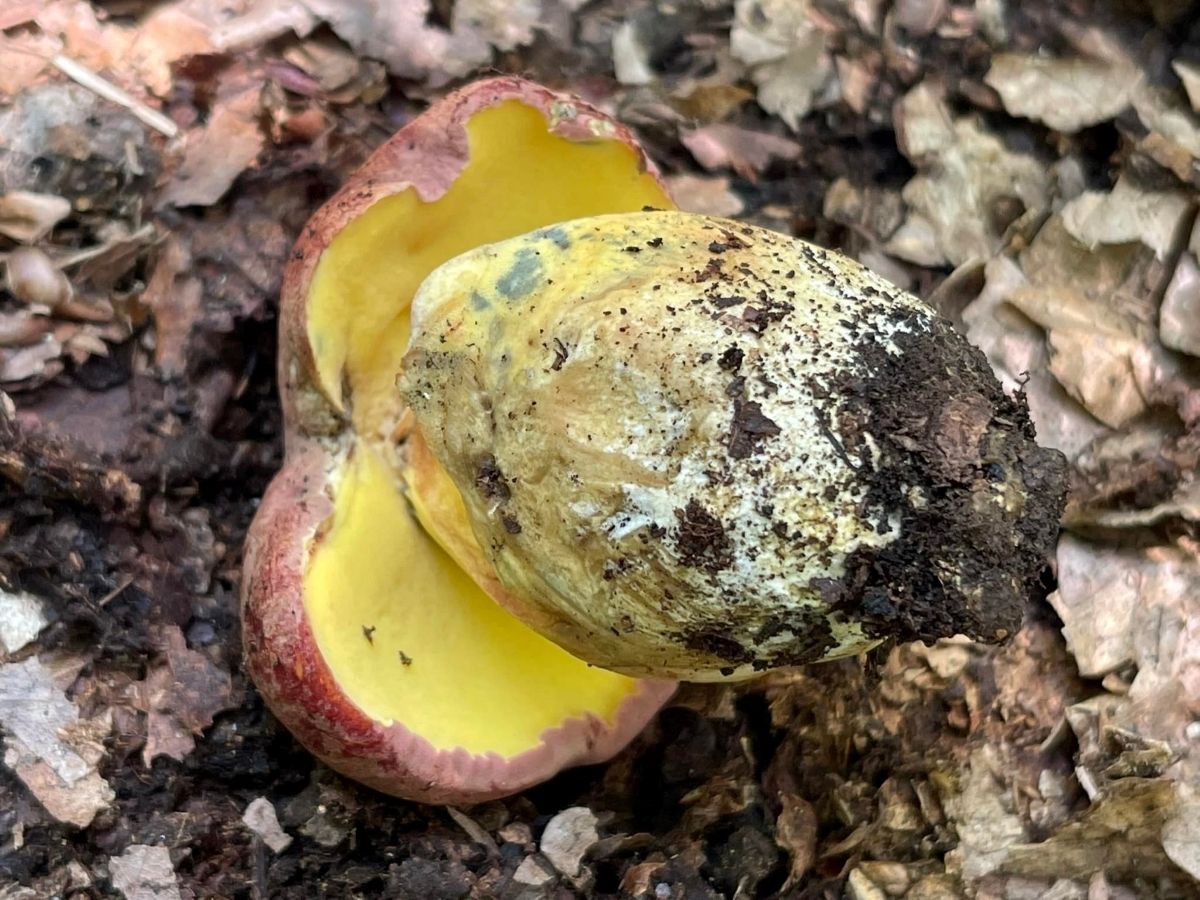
column 613, row 445
column 382, row 643
column 697, row 449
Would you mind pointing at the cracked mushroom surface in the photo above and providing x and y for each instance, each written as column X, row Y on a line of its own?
column 697, row 449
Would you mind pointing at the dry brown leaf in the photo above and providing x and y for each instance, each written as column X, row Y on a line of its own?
column 786, row 54
column 1181, row 836
column 28, row 217
column 263, row 21
column 704, row 195
column 180, row 695
column 631, row 58
column 40, row 361
column 965, row 174
column 1138, row 610
column 143, row 872
column 22, row 618
column 919, row 17
column 175, row 301
column 326, row 60
column 1126, row 215
column 26, row 59
column 567, row 837
column 1179, row 314
column 1119, row 834
column 104, row 264
column 168, row 34
column 1189, row 74
column 215, row 155
column 982, row 814
column 97, row 45
column 1097, row 303
column 504, row 24
column 1163, row 114
column 260, row 818
column 1066, row 94
column 749, row 153
column 49, row 748
column 1097, row 369
column 399, row 34
column 1016, row 348
column 1100, row 589
column 21, row 328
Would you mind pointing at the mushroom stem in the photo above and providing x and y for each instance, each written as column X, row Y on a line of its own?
column 692, row 448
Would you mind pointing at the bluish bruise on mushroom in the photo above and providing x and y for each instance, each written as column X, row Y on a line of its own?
column 479, row 302
column 555, row 233
column 523, row 276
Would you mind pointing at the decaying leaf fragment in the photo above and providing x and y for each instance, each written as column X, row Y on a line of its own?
column 180, row 695
column 1067, row 94
column 145, row 872
column 968, row 187
column 49, row 747
column 786, row 53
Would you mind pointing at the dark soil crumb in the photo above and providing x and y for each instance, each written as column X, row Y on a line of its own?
column 951, row 446
column 701, row 539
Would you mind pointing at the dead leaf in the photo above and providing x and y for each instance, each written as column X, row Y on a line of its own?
column 325, row 59
column 22, row 618
column 26, row 59
column 22, row 327
column 1099, row 591
column 534, row 872
column 167, row 34
column 28, row 217
column 567, row 837
column 1189, row 74
column 786, row 53
column 1128, row 214
column 180, row 695
column 48, row 747
column 748, row 153
column 631, row 59
column 216, row 154
column 1067, row 94
column 987, row 827
column 399, row 34
column 104, row 264
column 35, row 361
column 260, row 818
column 143, row 872
column 1016, row 349
column 175, row 300
column 965, row 175
column 1181, row 837
column 704, row 195
column 1161, row 112
column 1179, row 314
column 504, row 24
column 1119, row 834
column 919, row 17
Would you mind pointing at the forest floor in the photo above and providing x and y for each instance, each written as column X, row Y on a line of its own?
column 1031, row 169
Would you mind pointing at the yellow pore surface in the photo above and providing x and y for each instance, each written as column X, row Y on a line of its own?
column 408, row 635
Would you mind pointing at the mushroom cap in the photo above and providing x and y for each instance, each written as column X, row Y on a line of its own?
column 370, row 617
column 700, row 449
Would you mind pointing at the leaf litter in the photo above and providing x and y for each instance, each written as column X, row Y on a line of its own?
column 1034, row 171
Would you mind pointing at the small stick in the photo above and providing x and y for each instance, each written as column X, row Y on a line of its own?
column 110, row 91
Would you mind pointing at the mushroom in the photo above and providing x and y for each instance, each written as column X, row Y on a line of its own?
column 612, row 446
column 696, row 449
column 383, row 645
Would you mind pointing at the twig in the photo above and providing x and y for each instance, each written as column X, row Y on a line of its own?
column 110, row 91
